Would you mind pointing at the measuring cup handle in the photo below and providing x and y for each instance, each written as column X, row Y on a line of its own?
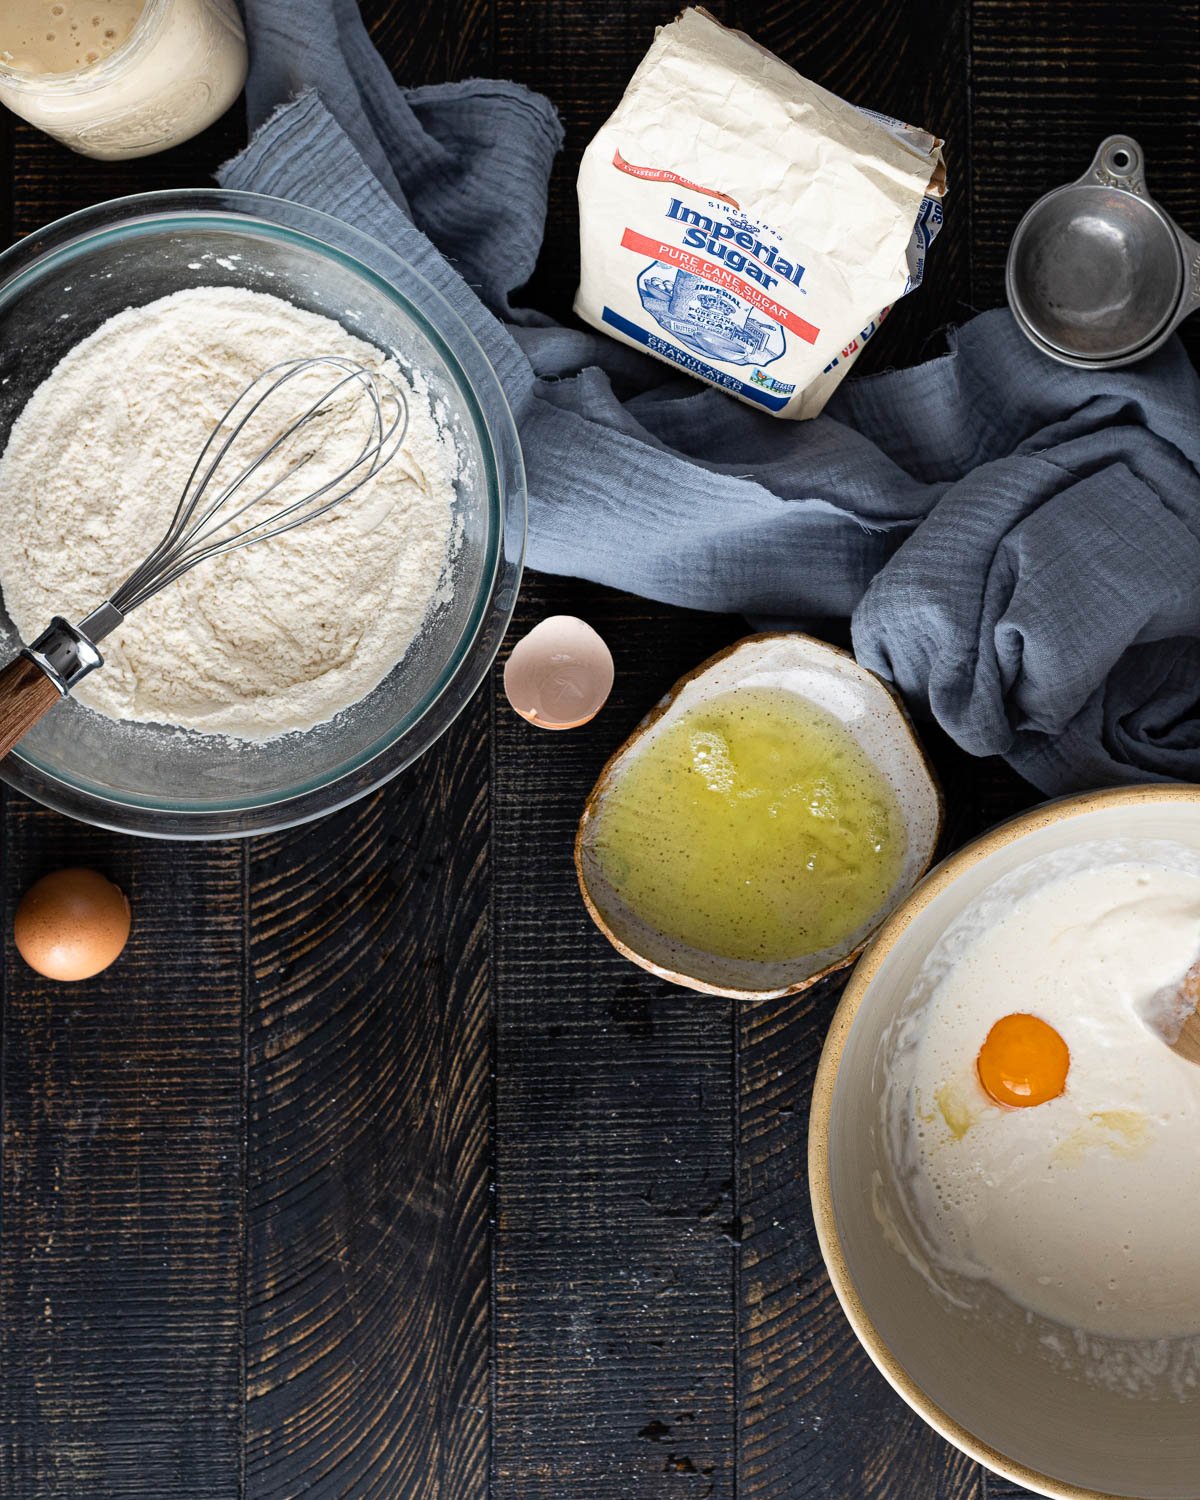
column 1190, row 250
column 1120, row 163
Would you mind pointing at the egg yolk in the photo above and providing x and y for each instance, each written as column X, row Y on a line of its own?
column 1024, row 1061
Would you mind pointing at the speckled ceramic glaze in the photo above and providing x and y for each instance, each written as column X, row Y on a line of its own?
column 986, row 1384
column 871, row 714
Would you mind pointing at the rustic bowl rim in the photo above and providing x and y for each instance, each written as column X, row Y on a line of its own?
column 651, row 718
column 939, row 879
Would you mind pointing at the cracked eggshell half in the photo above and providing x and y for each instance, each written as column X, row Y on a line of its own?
column 559, row 676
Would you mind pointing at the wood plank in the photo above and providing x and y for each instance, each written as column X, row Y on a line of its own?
column 816, row 1419
column 121, row 1224
column 367, row 1167
column 431, row 42
column 120, row 1235
column 618, row 1199
column 8, row 130
column 616, row 1222
column 49, row 181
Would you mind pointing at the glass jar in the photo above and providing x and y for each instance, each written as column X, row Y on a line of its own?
column 181, row 68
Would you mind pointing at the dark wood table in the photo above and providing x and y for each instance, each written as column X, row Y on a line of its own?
column 372, row 1171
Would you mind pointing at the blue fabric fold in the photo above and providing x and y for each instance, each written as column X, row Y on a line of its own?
column 1016, row 543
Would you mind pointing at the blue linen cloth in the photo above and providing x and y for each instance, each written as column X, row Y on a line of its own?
column 1016, row 543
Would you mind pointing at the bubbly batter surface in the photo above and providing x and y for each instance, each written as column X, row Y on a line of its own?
column 1084, row 1208
column 60, row 36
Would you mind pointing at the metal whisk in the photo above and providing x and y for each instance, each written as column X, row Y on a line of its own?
column 216, row 512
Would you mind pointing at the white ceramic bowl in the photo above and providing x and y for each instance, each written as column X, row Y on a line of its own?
column 983, row 1384
column 868, row 709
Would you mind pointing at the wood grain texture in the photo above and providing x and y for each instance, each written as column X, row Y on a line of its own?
column 367, row 1171
column 49, row 181
column 120, row 1234
column 246, row 1178
column 369, row 1097
column 8, row 153
column 616, row 1230
column 816, row 1419
column 121, row 1156
column 431, row 42
column 26, row 695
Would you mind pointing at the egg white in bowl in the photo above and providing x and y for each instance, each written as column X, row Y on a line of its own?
column 1029, row 1278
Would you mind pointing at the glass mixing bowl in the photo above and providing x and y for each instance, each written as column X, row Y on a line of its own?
column 61, row 283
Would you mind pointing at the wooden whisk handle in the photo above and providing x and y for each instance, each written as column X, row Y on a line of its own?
column 26, row 695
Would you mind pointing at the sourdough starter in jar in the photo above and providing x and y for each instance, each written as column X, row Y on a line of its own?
column 120, row 78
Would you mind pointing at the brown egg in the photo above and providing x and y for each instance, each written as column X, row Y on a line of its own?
column 559, row 675
column 71, row 924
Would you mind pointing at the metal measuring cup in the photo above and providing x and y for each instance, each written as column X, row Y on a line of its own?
column 1097, row 274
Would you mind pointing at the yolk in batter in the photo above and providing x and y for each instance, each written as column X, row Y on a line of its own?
column 1024, row 1061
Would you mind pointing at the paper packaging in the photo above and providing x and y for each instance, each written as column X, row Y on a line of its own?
column 745, row 224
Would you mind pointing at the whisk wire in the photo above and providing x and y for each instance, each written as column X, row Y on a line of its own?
column 316, row 409
column 199, row 528
column 183, row 505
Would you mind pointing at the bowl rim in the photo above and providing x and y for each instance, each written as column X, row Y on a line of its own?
column 495, row 429
column 939, row 879
column 647, row 722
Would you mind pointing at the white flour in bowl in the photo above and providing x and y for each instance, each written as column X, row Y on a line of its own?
column 273, row 638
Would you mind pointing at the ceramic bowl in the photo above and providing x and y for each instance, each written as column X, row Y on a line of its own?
column 991, row 1386
column 868, row 709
